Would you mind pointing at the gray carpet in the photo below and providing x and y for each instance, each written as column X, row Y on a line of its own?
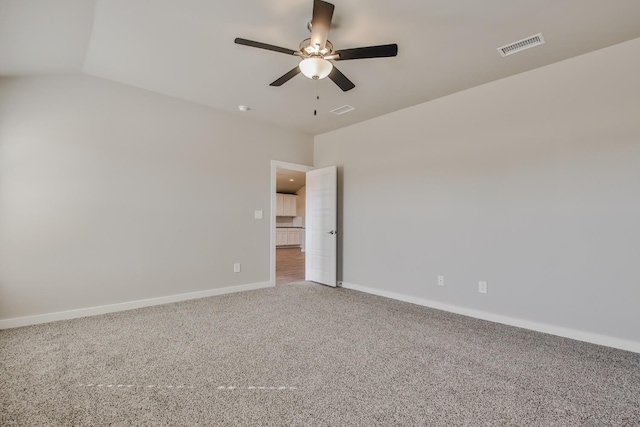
column 308, row 355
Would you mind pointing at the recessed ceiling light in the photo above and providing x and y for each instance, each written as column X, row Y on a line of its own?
column 243, row 108
column 291, row 179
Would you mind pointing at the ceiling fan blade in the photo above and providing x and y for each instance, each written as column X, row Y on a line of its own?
column 321, row 23
column 259, row 45
column 282, row 80
column 381, row 51
column 341, row 80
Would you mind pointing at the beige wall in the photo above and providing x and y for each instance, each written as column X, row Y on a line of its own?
column 531, row 183
column 111, row 194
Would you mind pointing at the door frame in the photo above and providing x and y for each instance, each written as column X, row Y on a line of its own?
column 275, row 165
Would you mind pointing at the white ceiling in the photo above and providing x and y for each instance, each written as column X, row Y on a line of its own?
column 185, row 48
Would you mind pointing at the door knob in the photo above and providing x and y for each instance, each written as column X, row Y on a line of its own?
column 332, row 232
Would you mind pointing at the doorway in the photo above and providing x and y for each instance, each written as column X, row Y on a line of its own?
column 288, row 219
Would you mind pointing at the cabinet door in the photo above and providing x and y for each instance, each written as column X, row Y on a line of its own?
column 281, row 237
column 290, row 205
column 293, row 237
column 279, row 205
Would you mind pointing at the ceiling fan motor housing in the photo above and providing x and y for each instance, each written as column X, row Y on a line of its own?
column 308, row 50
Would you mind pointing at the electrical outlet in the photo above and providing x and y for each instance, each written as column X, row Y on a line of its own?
column 257, row 214
column 440, row 280
column 482, row 287
column 236, row 267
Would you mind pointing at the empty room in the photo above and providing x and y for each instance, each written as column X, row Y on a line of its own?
column 457, row 243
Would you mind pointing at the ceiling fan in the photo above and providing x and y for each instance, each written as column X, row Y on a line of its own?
column 317, row 51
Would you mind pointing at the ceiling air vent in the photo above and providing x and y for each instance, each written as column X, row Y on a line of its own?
column 342, row 110
column 521, row 45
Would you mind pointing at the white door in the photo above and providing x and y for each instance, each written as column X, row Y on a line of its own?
column 321, row 226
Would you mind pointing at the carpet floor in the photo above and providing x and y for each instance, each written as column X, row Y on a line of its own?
column 307, row 355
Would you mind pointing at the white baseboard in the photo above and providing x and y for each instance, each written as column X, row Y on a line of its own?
column 111, row 308
column 506, row 320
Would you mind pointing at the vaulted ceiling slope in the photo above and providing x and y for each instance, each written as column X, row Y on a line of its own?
column 185, row 48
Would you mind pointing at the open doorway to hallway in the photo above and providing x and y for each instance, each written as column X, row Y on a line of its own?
column 290, row 226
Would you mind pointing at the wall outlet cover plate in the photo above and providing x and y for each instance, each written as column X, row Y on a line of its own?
column 482, row 287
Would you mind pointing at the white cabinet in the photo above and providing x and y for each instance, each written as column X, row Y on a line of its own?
column 288, row 237
column 279, row 204
column 281, row 237
column 286, row 204
column 293, row 236
column 290, row 202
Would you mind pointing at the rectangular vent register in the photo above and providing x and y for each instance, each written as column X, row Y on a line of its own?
column 521, row 45
column 342, row 110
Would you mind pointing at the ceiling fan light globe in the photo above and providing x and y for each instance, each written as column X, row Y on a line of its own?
column 315, row 68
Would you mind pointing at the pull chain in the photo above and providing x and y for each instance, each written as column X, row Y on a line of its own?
column 315, row 111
